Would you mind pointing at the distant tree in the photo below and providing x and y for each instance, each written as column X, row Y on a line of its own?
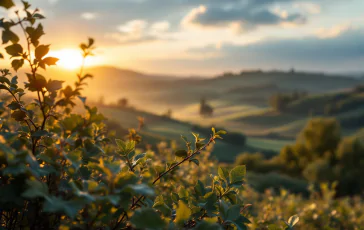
column 279, row 101
column 228, row 74
column 123, row 102
column 168, row 114
column 205, row 109
column 321, row 136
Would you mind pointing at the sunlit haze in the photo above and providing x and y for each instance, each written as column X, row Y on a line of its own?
column 208, row 37
column 68, row 58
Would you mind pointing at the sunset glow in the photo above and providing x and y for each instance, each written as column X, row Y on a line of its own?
column 68, row 58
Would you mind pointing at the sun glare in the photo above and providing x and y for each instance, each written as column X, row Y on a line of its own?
column 68, row 58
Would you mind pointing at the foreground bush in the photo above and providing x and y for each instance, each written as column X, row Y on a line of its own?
column 59, row 170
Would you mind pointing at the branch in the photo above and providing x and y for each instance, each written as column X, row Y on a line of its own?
column 185, row 159
column 212, row 139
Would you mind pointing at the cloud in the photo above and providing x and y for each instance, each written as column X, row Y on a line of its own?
column 139, row 31
column 244, row 18
column 161, row 26
column 332, row 32
column 342, row 52
column 134, row 27
column 88, row 15
column 308, row 7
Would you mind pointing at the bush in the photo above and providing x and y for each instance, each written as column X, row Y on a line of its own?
column 59, row 170
column 258, row 163
column 275, row 181
column 321, row 155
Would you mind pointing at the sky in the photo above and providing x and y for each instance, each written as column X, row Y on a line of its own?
column 208, row 37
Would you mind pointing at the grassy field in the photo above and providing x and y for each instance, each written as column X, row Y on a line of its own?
column 240, row 105
column 159, row 128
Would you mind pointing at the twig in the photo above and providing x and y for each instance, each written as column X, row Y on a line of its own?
column 173, row 167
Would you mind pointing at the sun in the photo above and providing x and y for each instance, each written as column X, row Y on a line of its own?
column 68, row 58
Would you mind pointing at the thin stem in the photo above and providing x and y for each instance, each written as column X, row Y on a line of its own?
column 120, row 221
column 82, row 66
column 129, row 164
column 185, row 159
column 28, row 43
column 16, row 99
column 173, row 167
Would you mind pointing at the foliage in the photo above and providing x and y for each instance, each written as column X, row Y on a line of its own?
column 320, row 211
column 319, row 155
column 60, row 170
column 122, row 102
column 280, row 101
column 206, row 110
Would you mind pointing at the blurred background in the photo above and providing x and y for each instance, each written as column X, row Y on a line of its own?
column 283, row 77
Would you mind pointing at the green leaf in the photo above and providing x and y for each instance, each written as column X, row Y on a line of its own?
column 221, row 132
column 4, row 87
column 200, row 188
column 50, row 61
column 223, row 174
column 14, row 80
column 41, row 51
column 181, row 153
column 223, row 208
column 15, row 50
column 138, row 158
column 36, row 84
column 183, row 213
column 14, row 105
column 293, row 220
column 19, row 115
column 54, row 85
column 125, row 147
column 91, row 41
column 7, row 4
column 161, row 206
column 199, row 145
column 35, row 189
column 233, row 212
column 38, row 16
column 197, row 162
column 237, row 174
column 9, row 35
column 57, row 205
column 211, row 200
column 274, row 227
column 40, row 133
column 35, row 34
column 203, row 225
column 17, row 64
column 174, row 197
column 141, row 189
column 25, row 4
column 147, row 218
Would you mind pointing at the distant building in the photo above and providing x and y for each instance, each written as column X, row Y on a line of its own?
column 205, row 109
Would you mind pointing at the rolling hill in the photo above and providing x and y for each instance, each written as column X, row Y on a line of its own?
column 240, row 103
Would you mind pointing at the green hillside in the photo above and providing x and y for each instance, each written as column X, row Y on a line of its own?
column 159, row 128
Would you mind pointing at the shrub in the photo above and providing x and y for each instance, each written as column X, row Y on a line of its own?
column 59, row 170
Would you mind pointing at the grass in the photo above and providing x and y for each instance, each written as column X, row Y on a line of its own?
column 268, row 144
